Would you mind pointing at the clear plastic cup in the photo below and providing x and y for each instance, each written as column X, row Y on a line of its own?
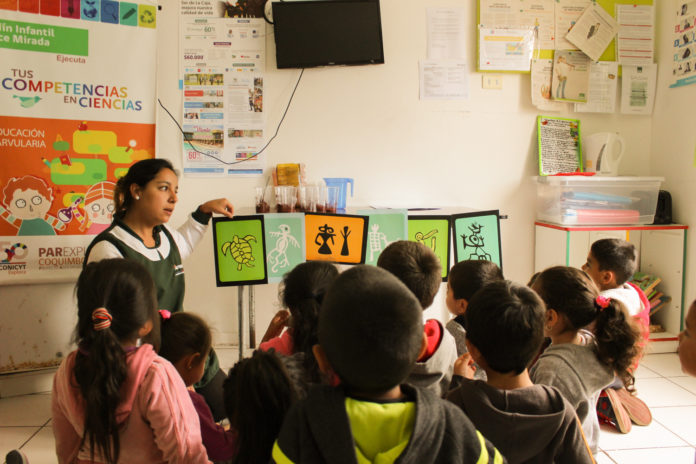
column 286, row 198
column 263, row 198
column 332, row 199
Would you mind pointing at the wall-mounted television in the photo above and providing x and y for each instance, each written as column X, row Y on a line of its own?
column 327, row 32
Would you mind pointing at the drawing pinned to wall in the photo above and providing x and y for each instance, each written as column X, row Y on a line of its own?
column 339, row 238
column 285, row 237
column 433, row 232
column 477, row 237
column 240, row 251
column 385, row 226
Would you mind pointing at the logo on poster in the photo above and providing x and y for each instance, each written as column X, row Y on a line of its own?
column 13, row 253
column 61, row 257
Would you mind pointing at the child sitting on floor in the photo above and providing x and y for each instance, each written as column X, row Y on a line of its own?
column 370, row 335
column 466, row 278
column 687, row 342
column 611, row 263
column 581, row 363
column 301, row 292
column 186, row 341
column 115, row 400
column 528, row 423
column 258, row 393
column 419, row 268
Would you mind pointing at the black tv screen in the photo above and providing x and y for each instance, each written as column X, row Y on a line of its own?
column 327, row 32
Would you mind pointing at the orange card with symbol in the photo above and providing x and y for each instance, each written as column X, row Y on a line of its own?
column 338, row 238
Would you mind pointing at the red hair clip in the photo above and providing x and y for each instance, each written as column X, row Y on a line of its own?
column 601, row 302
column 165, row 314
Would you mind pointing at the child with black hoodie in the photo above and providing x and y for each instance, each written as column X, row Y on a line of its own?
column 528, row 423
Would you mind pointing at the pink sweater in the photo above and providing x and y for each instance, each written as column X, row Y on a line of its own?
column 159, row 422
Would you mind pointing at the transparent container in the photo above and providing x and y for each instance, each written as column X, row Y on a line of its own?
column 585, row 200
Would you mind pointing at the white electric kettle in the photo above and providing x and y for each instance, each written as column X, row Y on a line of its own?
column 603, row 152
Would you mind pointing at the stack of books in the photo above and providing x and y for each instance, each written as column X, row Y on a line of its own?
column 648, row 283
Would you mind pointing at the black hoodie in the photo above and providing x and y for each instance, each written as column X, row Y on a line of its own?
column 317, row 430
column 528, row 425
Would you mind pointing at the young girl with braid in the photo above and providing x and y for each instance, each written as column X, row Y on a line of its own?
column 114, row 399
column 592, row 338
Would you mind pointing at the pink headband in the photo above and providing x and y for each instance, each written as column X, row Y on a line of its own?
column 101, row 319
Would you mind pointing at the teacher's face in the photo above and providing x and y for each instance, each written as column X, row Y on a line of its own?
column 160, row 195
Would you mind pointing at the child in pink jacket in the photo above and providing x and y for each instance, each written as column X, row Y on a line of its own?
column 114, row 401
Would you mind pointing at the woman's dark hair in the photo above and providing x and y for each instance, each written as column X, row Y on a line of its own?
column 184, row 334
column 572, row 294
column 257, row 394
column 139, row 173
column 125, row 289
column 302, row 292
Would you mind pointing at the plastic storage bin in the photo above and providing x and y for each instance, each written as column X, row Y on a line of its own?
column 583, row 200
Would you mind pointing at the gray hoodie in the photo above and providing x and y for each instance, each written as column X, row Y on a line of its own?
column 528, row 425
column 578, row 374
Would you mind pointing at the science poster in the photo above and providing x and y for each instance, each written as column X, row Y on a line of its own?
column 77, row 108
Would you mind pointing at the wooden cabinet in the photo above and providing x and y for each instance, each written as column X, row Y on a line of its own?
column 661, row 251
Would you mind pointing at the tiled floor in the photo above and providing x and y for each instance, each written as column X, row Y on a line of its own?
column 25, row 420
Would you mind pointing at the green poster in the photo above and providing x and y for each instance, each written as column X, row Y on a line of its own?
column 285, row 238
column 384, row 227
column 240, row 251
column 433, row 232
column 477, row 237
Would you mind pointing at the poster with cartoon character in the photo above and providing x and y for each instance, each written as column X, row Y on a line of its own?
column 477, row 237
column 77, row 99
column 285, row 239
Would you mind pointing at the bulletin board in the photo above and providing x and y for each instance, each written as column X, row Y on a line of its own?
column 608, row 55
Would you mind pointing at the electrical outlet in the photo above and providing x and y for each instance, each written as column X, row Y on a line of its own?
column 492, row 81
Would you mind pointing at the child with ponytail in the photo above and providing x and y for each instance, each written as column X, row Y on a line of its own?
column 186, row 342
column 115, row 400
column 302, row 292
column 592, row 339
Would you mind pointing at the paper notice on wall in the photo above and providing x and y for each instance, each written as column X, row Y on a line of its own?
column 223, row 59
column 638, row 89
column 505, row 49
column 567, row 14
column 446, row 33
column 635, row 39
column 541, row 86
column 593, row 31
column 571, row 76
column 526, row 14
column 601, row 97
column 559, row 145
column 444, row 80
column 684, row 45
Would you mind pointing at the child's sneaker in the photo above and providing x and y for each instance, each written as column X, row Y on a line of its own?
column 636, row 408
column 610, row 410
column 16, row 457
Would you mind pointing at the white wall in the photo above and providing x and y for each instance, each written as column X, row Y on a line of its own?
column 367, row 123
column 674, row 142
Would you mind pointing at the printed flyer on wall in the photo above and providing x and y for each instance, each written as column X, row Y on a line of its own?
column 223, row 59
column 684, row 46
column 71, row 123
